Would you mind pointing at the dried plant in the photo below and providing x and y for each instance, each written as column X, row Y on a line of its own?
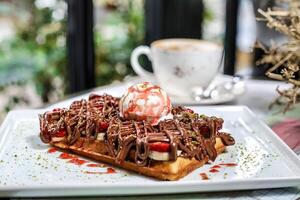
column 285, row 59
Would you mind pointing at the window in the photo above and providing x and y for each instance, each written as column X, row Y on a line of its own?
column 119, row 28
column 32, row 52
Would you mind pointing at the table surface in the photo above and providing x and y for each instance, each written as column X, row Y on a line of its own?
column 258, row 96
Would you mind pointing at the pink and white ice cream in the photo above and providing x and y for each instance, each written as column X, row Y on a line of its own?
column 145, row 101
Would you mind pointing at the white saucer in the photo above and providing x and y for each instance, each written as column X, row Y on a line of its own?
column 223, row 96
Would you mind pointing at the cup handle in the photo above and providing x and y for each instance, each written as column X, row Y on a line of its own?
column 135, row 62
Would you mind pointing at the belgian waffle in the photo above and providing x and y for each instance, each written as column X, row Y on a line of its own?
column 94, row 128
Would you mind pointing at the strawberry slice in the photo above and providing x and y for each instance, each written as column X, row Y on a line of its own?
column 189, row 110
column 103, row 126
column 60, row 133
column 56, row 109
column 205, row 131
column 159, row 146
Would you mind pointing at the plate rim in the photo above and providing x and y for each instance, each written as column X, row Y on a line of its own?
column 157, row 189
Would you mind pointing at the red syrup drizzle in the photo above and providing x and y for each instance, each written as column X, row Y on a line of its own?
column 52, row 150
column 96, row 165
column 109, row 170
column 215, row 169
column 228, row 164
column 77, row 161
column 66, row 156
column 204, row 176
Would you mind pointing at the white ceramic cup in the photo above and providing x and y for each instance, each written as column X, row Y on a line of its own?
column 180, row 65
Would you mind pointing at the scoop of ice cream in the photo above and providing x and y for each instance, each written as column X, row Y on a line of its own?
column 145, row 101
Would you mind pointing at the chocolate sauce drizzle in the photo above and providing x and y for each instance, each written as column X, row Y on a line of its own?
column 189, row 134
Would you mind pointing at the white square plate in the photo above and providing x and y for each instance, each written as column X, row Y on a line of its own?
column 28, row 169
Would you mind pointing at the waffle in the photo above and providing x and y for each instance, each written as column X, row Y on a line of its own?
column 94, row 128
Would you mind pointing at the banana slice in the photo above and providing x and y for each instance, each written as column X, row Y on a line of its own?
column 57, row 139
column 161, row 156
column 100, row 136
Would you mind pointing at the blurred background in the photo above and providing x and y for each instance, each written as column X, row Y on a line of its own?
column 50, row 49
